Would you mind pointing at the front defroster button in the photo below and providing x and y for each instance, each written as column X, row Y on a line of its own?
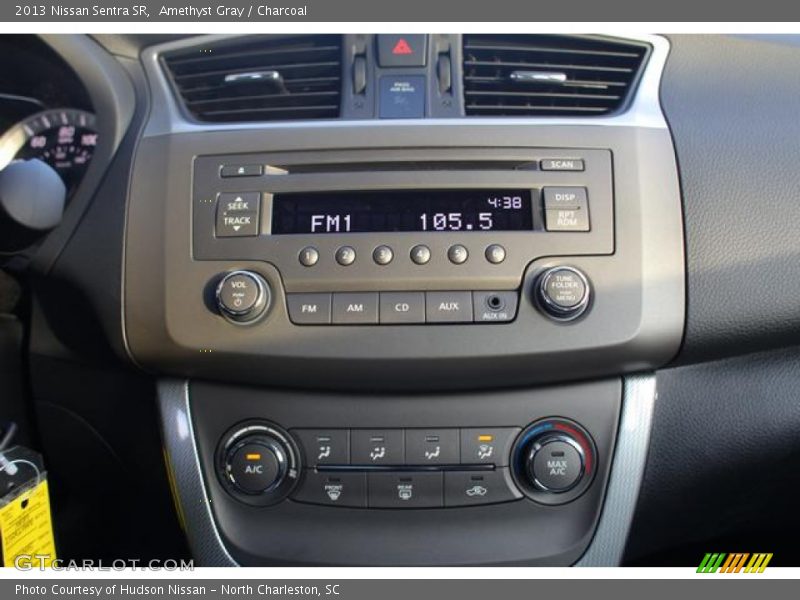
column 333, row 489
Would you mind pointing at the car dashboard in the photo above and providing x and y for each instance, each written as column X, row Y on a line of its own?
column 428, row 299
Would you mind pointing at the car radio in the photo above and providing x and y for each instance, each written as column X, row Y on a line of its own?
column 420, row 239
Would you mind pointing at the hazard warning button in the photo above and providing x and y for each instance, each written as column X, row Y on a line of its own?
column 395, row 50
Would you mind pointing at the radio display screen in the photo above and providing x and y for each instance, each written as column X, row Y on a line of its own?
column 407, row 210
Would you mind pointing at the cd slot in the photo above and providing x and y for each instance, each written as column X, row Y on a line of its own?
column 410, row 165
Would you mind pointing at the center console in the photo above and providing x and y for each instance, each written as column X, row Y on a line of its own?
column 397, row 341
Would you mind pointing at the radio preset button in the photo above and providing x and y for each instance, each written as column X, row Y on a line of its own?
column 346, row 255
column 420, row 254
column 448, row 307
column 402, row 307
column 309, row 256
column 357, row 308
column 458, row 254
column 495, row 254
column 309, row 309
column 382, row 255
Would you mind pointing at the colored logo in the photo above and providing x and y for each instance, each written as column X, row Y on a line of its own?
column 740, row 562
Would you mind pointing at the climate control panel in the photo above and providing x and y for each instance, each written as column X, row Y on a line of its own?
column 551, row 462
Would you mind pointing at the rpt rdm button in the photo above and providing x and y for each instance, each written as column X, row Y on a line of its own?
column 566, row 209
column 309, row 309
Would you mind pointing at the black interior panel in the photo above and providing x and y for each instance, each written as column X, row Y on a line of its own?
column 723, row 460
column 732, row 108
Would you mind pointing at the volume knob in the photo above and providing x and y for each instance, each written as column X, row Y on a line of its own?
column 243, row 296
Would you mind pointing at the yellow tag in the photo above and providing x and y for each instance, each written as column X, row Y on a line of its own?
column 26, row 527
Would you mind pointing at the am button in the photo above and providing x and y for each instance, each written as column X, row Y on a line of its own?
column 360, row 308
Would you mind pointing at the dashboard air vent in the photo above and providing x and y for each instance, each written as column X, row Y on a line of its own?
column 548, row 75
column 260, row 79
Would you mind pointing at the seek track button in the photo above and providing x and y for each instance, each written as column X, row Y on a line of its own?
column 237, row 214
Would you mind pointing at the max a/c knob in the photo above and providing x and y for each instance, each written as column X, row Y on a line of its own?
column 243, row 296
column 562, row 293
column 555, row 463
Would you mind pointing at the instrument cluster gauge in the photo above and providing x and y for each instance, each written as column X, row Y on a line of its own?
column 64, row 138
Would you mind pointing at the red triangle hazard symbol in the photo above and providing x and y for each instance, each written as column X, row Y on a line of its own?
column 402, row 47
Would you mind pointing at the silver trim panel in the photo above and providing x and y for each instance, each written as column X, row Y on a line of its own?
column 608, row 545
column 183, row 462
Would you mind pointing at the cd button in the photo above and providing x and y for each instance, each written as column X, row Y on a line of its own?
column 448, row 307
column 402, row 307
column 420, row 254
column 458, row 254
column 309, row 256
column 355, row 308
column 382, row 255
column 346, row 255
